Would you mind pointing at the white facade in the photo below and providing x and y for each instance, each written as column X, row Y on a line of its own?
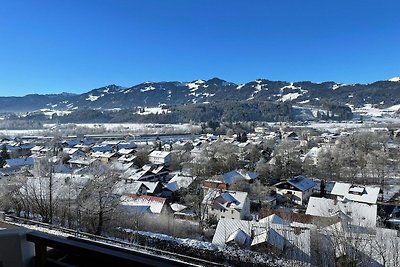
column 160, row 157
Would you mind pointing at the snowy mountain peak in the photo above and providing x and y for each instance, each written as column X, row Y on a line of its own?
column 394, row 79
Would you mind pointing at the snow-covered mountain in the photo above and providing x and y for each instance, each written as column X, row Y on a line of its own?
column 380, row 94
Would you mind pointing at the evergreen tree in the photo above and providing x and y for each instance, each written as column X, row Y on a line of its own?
column 3, row 155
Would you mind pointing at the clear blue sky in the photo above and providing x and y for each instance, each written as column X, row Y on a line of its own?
column 52, row 46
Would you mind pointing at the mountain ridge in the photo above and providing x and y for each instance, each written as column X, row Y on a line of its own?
column 383, row 94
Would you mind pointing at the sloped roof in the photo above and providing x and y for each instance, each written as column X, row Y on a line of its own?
column 239, row 237
column 278, row 235
column 361, row 214
column 159, row 154
column 270, row 236
column 233, row 199
column 129, row 188
column 19, row 162
column 177, row 207
column 302, row 183
column 232, row 176
column 156, row 203
column 364, row 194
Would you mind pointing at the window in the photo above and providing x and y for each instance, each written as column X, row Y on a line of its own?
column 231, row 211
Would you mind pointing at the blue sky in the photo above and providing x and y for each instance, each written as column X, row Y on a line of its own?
column 52, row 46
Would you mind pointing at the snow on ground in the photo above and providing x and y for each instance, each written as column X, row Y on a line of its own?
column 290, row 96
column 240, row 86
column 194, row 85
column 147, row 88
column 182, row 241
column 157, row 110
column 395, row 79
column 337, row 86
column 41, row 229
column 50, row 112
column 370, row 110
column 94, row 97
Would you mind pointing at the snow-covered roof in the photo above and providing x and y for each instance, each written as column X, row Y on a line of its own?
column 232, row 176
column 156, row 204
column 101, row 154
column 125, row 151
column 179, row 182
column 277, row 235
column 159, row 154
column 360, row 214
column 82, row 161
column 364, row 194
column 239, row 237
column 122, row 188
column 126, row 158
column 273, row 218
column 270, row 236
column 152, row 186
column 177, row 207
column 19, row 162
column 302, row 183
column 232, row 199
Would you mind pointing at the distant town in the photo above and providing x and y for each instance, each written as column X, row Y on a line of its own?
column 256, row 193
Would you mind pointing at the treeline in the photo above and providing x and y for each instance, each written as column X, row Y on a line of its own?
column 231, row 111
column 335, row 111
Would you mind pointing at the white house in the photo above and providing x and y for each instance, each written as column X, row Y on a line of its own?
column 160, row 157
column 297, row 189
column 227, row 204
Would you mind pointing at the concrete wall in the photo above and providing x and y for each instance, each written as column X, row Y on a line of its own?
column 15, row 251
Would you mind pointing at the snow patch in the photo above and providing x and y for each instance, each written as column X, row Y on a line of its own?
column 394, row 79
column 147, row 88
column 92, row 97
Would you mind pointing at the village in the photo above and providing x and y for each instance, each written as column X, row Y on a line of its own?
column 275, row 190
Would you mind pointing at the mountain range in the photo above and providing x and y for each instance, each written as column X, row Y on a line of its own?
column 380, row 94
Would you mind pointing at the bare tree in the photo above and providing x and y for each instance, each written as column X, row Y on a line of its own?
column 97, row 201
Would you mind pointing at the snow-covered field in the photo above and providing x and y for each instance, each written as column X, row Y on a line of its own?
column 136, row 128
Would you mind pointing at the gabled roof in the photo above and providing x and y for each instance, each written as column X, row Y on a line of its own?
column 156, row 204
column 129, row 188
column 360, row 214
column 19, row 162
column 277, row 235
column 302, row 183
column 364, row 194
column 239, row 237
column 179, row 182
column 232, row 199
column 159, row 154
column 232, row 176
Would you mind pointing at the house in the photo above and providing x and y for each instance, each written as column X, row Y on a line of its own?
column 104, row 157
column 102, row 148
column 18, row 162
column 160, row 157
column 288, row 241
column 233, row 176
column 181, row 211
column 179, row 181
column 73, row 152
column 39, row 150
column 156, row 205
column 210, row 183
column 297, row 189
column 362, row 194
column 135, row 188
column 80, row 162
column 226, row 204
column 355, row 213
